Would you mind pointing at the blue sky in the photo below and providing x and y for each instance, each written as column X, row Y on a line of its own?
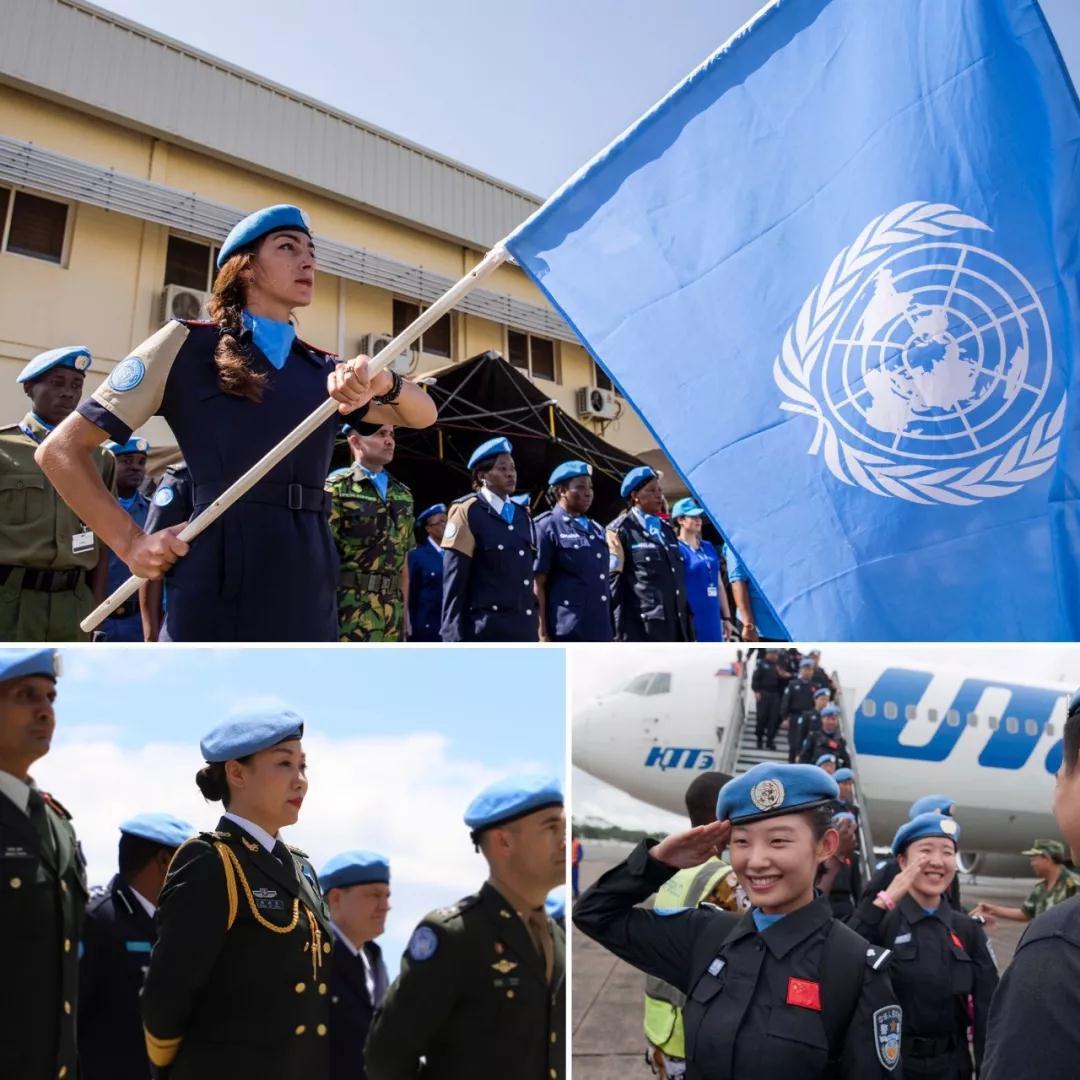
column 397, row 740
column 527, row 91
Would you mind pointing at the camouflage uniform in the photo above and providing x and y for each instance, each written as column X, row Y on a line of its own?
column 373, row 539
column 1041, row 898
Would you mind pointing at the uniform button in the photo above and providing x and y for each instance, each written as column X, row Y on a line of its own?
column 553, row 1073
column 67, row 944
column 494, row 607
column 524, row 581
column 326, row 946
column 322, row 988
column 528, row 611
column 603, row 577
column 63, row 886
column 554, row 1037
column 599, row 554
column 321, row 1029
column 15, row 882
column 300, row 988
column 300, row 1029
column 566, row 603
column 604, row 597
column 510, row 527
column 63, row 1072
column 500, row 547
column 521, row 551
column 67, row 1007
column 509, row 993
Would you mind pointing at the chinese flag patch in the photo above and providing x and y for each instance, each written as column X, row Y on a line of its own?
column 804, row 993
column 955, row 940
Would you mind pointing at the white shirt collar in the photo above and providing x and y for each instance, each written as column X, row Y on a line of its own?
column 496, row 502
column 257, row 831
column 437, row 547
column 147, row 906
column 18, row 791
column 344, row 938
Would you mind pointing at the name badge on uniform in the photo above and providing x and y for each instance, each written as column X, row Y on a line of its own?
column 716, row 967
column 902, row 939
column 712, row 590
column 82, row 541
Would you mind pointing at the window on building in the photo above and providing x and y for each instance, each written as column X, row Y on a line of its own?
column 33, row 225
column 189, row 264
column 534, row 355
column 436, row 340
column 601, row 380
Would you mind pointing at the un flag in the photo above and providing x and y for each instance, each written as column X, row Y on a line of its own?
column 836, row 272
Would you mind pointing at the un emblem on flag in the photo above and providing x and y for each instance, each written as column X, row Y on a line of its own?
column 926, row 363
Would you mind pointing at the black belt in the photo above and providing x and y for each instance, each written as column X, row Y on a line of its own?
column 272, row 493
column 914, row 1046
column 45, row 580
column 376, row 583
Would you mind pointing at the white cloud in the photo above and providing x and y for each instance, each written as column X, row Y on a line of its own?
column 402, row 796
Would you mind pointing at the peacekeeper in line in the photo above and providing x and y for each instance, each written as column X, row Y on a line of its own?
column 118, row 935
column 482, row 989
column 42, row 882
column 371, row 519
column 52, row 567
column 125, row 623
column 173, row 503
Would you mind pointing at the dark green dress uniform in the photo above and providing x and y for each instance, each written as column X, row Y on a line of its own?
column 42, row 900
column 472, row 1000
column 238, row 978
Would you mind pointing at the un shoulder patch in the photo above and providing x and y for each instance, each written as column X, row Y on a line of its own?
column 127, row 374
column 423, row 943
column 163, row 496
column 887, row 1024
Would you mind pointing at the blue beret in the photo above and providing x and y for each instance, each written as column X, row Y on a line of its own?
column 163, row 829
column 824, row 758
column 19, row 663
column 823, row 690
column 844, row 815
column 567, row 471
column 522, row 500
column 250, row 732
column 76, row 357
column 490, row 449
column 806, row 662
column 512, row 798
column 924, row 825
column 257, row 225
column 843, row 774
column 438, row 508
column 829, row 710
column 686, row 508
column 355, row 868
column 555, row 904
column 769, row 790
column 634, row 479
column 132, row 446
column 939, row 804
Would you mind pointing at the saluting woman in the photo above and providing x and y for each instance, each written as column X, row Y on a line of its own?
column 237, row 983
column 230, row 390
column 783, row 991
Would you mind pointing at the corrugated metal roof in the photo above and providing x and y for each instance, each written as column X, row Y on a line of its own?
column 26, row 165
column 165, row 87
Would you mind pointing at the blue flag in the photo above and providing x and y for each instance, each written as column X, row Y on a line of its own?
column 836, row 272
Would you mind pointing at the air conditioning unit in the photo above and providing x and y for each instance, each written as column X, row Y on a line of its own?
column 180, row 302
column 373, row 344
column 597, row 403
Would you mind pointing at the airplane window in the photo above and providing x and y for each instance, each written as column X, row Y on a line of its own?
column 639, row 684
column 994, row 723
column 869, row 707
column 1031, row 728
column 953, row 717
column 972, row 719
column 661, row 683
column 931, row 715
column 890, row 710
column 1049, row 730
column 910, row 712
column 1012, row 725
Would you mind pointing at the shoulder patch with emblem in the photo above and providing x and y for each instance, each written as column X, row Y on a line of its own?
column 423, row 943
column 127, row 374
column 877, row 958
column 164, row 496
column 887, row 1024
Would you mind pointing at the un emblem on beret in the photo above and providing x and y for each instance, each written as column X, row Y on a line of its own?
column 927, row 364
column 948, row 826
column 767, row 795
column 127, row 374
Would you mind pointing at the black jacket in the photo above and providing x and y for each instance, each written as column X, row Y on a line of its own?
column 352, row 1007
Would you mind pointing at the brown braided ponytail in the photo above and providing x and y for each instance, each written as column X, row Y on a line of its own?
column 235, row 373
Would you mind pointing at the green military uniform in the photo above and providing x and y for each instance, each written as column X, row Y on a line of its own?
column 373, row 537
column 473, row 1000
column 1041, row 898
column 45, row 550
column 237, row 983
column 42, row 899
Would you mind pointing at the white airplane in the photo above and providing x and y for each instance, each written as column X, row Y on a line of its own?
column 990, row 741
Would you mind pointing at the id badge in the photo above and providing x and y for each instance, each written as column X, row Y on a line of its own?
column 712, row 591
column 82, row 541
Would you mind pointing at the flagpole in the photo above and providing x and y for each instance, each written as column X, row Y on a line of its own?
column 411, row 334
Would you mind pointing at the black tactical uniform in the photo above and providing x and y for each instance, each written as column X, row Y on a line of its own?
column 472, row 999
column 1033, row 1031
column 939, row 960
column 821, row 742
column 238, row 979
column 648, row 592
column 883, row 876
column 796, row 707
column 769, row 680
column 735, row 978
column 117, row 938
column 42, row 900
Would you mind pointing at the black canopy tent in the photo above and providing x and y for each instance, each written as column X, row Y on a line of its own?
column 484, row 397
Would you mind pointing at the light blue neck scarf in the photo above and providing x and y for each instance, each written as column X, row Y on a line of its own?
column 275, row 339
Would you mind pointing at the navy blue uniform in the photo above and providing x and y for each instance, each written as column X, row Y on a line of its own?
column 572, row 553
column 125, row 623
column 487, row 574
column 173, row 501
column 647, row 587
column 118, row 935
column 425, row 591
column 267, row 570
column 797, row 708
column 352, row 1007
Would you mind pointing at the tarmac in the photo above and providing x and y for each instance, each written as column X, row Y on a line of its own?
column 607, row 995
